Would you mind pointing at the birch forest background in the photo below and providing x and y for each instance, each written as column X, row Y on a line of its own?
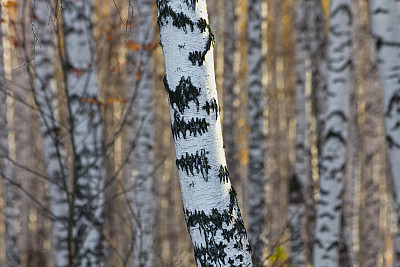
column 309, row 101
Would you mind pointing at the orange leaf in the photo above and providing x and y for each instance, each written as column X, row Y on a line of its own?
column 12, row 4
column 112, row 100
column 134, row 46
column 110, row 38
column 139, row 75
column 116, row 69
column 97, row 102
column 14, row 41
column 85, row 100
column 139, row 71
column 150, row 47
column 91, row 101
column 78, row 72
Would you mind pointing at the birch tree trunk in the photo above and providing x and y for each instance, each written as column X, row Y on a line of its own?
column 49, row 124
column 386, row 33
column 302, row 169
column 256, row 138
column 229, row 96
column 334, row 136
column 143, row 203
column 82, row 91
column 210, row 203
column 7, row 171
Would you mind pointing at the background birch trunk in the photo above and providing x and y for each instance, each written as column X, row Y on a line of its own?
column 386, row 33
column 230, row 109
column 302, row 168
column 49, row 126
column 7, row 170
column 334, row 136
column 86, row 134
column 256, row 139
column 210, row 203
column 143, row 202
column 21, row 88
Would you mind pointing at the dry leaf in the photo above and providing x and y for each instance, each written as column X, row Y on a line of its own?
column 11, row 4
column 134, row 46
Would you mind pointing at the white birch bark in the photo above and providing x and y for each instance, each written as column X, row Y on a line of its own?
column 210, row 204
column 302, row 171
column 256, row 138
column 48, row 118
column 334, row 136
column 7, row 171
column 82, row 91
column 386, row 33
column 141, row 67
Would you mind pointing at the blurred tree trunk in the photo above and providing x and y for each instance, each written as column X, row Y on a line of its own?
column 386, row 33
column 318, row 50
column 210, row 203
column 7, row 171
column 334, row 136
column 369, row 206
column 141, row 70
column 347, row 254
column 302, row 169
column 54, row 156
column 86, row 135
column 256, row 139
column 229, row 94
column 19, row 29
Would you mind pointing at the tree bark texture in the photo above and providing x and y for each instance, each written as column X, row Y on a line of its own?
column 210, row 203
column 302, row 179
column 229, row 95
column 7, row 171
column 84, row 116
column 334, row 136
column 386, row 33
column 53, row 150
column 370, row 204
column 143, row 202
column 256, row 138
